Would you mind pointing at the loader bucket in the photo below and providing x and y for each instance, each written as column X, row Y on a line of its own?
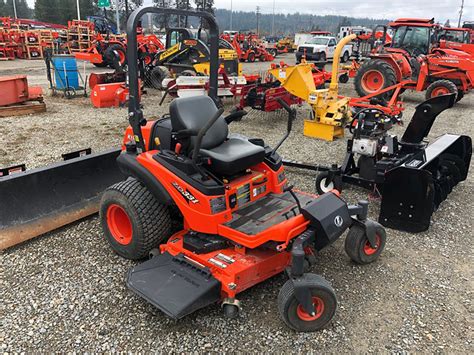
column 414, row 190
column 37, row 201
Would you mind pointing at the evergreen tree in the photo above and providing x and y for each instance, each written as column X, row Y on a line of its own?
column 3, row 9
column 163, row 20
column 48, row 11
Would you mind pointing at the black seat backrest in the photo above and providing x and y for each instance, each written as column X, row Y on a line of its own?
column 193, row 113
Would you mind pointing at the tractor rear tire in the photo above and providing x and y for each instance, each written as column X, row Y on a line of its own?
column 358, row 247
column 156, row 76
column 112, row 51
column 324, row 300
column 370, row 74
column 133, row 220
column 441, row 87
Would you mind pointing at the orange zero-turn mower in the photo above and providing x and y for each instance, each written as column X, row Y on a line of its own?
column 240, row 222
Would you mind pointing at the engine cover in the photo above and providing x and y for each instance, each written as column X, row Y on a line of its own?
column 365, row 146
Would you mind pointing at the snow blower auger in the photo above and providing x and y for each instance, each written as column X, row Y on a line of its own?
column 36, row 201
column 412, row 177
column 241, row 221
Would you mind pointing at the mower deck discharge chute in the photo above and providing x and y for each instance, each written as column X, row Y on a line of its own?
column 36, row 201
column 215, row 212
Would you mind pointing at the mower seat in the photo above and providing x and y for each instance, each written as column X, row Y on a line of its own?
column 227, row 156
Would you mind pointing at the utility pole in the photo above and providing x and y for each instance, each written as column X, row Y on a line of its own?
column 273, row 19
column 117, row 15
column 14, row 8
column 258, row 21
column 231, row 15
column 460, row 13
column 78, row 10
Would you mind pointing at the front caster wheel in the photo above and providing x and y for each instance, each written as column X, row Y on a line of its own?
column 324, row 302
column 358, row 247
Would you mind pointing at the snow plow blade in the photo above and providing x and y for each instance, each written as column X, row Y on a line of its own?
column 414, row 190
column 174, row 284
column 37, row 201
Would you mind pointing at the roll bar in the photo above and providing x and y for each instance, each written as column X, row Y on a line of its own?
column 135, row 113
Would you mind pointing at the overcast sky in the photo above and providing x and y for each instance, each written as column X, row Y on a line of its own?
column 391, row 9
column 441, row 10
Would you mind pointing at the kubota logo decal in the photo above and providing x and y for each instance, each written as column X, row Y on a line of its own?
column 186, row 194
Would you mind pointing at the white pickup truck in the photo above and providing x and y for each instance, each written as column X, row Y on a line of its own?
column 320, row 49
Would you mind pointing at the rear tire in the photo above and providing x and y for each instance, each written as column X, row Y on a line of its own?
column 358, row 247
column 133, row 220
column 374, row 76
column 441, row 87
column 324, row 300
column 111, row 52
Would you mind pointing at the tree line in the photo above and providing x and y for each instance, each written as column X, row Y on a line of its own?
column 289, row 23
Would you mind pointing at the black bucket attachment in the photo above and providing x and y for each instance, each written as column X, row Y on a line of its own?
column 36, row 201
column 415, row 189
column 175, row 285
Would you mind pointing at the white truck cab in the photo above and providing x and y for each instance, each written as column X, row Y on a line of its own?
column 321, row 48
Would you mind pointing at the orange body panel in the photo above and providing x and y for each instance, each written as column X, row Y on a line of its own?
column 249, row 267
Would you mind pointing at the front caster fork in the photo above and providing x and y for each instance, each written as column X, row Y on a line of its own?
column 360, row 211
column 296, row 271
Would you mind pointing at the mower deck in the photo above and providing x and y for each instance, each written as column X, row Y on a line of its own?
column 197, row 270
column 268, row 211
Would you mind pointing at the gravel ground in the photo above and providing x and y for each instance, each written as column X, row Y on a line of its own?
column 65, row 291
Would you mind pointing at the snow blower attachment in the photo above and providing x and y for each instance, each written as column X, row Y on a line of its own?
column 412, row 177
column 238, row 221
column 36, row 201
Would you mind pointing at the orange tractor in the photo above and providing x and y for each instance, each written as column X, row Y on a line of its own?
column 249, row 49
column 461, row 39
column 414, row 61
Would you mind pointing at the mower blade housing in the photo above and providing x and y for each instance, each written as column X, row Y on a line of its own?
column 414, row 190
column 40, row 200
column 174, row 284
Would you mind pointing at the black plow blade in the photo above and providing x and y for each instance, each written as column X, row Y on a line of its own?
column 37, row 201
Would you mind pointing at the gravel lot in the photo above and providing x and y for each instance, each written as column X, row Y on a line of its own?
column 65, row 291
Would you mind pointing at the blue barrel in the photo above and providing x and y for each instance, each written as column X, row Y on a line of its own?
column 65, row 72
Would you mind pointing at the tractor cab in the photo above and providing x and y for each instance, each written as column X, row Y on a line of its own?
column 415, row 36
column 458, row 35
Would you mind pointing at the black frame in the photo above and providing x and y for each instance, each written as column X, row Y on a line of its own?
column 135, row 113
